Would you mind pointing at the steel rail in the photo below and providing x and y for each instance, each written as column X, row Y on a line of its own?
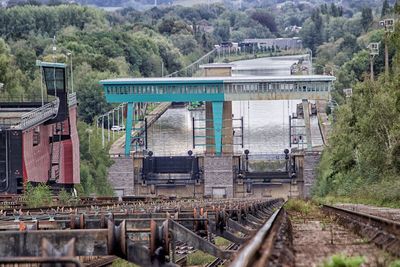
column 383, row 232
column 257, row 251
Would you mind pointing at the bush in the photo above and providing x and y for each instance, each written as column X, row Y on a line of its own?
column 65, row 198
column 37, row 196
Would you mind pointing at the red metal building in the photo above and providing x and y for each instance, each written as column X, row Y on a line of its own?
column 39, row 139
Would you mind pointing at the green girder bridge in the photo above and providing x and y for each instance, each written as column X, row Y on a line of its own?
column 215, row 90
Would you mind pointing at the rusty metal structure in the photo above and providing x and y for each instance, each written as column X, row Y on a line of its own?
column 145, row 232
column 155, row 232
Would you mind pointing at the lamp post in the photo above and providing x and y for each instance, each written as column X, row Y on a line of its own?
column 388, row 24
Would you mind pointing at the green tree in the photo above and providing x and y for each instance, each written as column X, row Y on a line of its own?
column 366, row 18
column 385, row 8
column 222, row 30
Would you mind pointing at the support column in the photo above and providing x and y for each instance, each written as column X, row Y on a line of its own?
column 128, row 128
column 217, row 108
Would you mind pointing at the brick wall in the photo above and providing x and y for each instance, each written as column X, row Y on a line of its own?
column 120, row 175
column 218, row 175
column 311, row 161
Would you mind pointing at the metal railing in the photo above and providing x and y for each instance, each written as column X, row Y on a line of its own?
column 38, row 115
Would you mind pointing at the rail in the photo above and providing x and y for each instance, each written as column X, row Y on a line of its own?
column 383, row 232
column 259, row 248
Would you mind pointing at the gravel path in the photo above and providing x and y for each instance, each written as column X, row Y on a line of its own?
column 316, row 238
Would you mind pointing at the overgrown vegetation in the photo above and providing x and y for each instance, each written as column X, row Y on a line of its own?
column 362, row 160
column 66, row 199
column 37, row 196
column 344, row 261
column 94, row 162
column 221, row 242
column 199, row 258
column 122, row 263
column 301, row 206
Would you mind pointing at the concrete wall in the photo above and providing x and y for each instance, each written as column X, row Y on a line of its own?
column 284, row 190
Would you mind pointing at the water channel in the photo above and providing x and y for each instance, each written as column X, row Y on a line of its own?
column 266, row 123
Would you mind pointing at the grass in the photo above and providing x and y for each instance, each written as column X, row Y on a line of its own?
column 199, row 258
column 300, row 206
column 221, row 242
column 343, row 261
column 123, row 263
column 395, row 263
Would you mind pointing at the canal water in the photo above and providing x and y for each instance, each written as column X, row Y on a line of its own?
column 266, row 123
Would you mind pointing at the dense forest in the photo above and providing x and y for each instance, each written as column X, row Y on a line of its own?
column 140, row 43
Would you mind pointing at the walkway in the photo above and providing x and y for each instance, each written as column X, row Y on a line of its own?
column 117, row 148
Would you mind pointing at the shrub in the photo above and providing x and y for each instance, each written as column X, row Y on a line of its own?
column 37, row 196
column 65, row 198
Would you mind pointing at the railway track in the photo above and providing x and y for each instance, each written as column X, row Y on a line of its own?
column 383, row 232
column 270, row 246
column 142, row 232
column 222, row 262
column 161, row 233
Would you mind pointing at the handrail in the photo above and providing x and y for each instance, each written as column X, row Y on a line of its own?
column 38, row 115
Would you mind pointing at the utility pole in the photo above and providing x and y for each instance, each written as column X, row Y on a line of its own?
column 373, row 51
column 388, row 24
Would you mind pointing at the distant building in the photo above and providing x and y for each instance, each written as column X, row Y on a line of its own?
column 281, row 43
column 293, row 28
